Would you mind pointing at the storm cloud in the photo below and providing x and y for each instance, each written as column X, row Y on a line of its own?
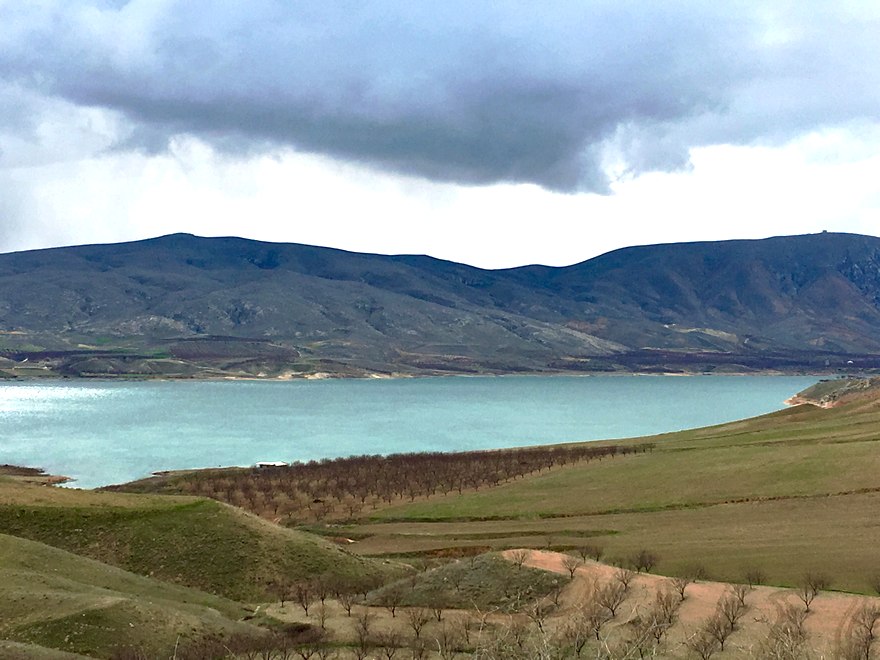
column 563, row 95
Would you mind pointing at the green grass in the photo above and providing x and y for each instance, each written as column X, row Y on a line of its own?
column 56, row 600
column 18, row 651
column 483, row 582
column 788, row 492
column 196, row 542
column 796, row 452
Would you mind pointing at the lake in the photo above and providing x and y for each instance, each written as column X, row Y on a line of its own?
column 109, row 432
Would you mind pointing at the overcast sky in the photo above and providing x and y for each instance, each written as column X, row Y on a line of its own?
column 494, row 133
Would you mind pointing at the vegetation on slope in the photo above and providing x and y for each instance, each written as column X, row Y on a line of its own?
column 55, row 599
column 196, row 542
column 481, row 582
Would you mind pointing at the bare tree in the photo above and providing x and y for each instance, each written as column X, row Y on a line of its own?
column 465, row 624
column 590, row 551
column 663, row 613
column 611, row 596
column 281, row 588
column 446, row 641
column 787, row 636
column 680, row 585
column 702, row 644
column 571, row 564
column 755, row 576
column 391, row 599
column 740, row 591
column 718, row 628
column 538, row 613
column 417, row 617
column 304, row 593
column 858, row 634
column 347, row 600
column 644, row 560
column 363, row 638
column 519, row 557
column 810, row 586
column 575, row 634
column 624, row 576
column 389, row 642
column 322, row 616
column 731, row 609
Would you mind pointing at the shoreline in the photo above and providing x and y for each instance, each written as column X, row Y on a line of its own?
column 326, row 376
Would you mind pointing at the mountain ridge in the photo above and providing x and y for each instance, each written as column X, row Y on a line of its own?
column 182, row 305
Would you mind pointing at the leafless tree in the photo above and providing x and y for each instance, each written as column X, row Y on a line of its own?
column 731, row 609
column 702, row 644
column 740, row 591
column 611, row 596
column 304, row 593
column 363, row 638
column 644, row 560
column 810, row 586
column 391, row 599
column 590, row 551
column 680, row 585
column 519, row 557
column 417, row 617
column 755, row 576
column 446, row 642
column 787, row 635
column 322, row 616
column 718, row 628
column 858, row 634
column 347, row 600
column 571, row 564
column 389, row 642
column 538, row 613
column 624, row 576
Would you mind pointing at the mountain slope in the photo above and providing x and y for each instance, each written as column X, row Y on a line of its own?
column 183, row 305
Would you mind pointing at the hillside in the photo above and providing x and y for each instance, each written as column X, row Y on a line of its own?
column 56, row 599
column 194, row 542
column 196, row 307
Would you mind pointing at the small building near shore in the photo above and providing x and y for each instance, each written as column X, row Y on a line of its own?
column 270, row 464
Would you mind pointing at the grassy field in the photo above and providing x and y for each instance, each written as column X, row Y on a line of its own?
column 196, row 542
column 787, row 492
column 53, row 598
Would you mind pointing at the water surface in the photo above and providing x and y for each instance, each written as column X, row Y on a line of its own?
column 109, row 432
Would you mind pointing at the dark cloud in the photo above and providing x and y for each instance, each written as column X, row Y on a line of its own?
column 456, row 91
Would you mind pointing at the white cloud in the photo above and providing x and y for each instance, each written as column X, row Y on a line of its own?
column 825, row 180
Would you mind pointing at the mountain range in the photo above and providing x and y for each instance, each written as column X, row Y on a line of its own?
column 186, row 306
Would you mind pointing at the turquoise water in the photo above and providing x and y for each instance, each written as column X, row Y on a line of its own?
column 109, row 432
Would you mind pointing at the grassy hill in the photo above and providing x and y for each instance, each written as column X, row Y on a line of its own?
column 57, row 600
column 195, row 542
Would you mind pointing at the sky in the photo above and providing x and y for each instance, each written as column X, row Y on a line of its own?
column 492, row 133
